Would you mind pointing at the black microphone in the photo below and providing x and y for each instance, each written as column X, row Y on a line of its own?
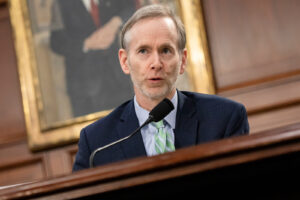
column 156, row 114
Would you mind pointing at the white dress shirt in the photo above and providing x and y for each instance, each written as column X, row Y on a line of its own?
column 149, row 130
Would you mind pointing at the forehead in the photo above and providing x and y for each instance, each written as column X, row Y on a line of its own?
column 152, row 29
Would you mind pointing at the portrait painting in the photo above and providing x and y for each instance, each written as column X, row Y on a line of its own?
column 68, row 62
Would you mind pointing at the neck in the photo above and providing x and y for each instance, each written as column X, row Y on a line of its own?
column 149, row 103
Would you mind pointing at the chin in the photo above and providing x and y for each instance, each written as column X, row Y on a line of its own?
column 157, row 93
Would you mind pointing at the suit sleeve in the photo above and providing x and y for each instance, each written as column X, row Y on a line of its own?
column 83, row 153
column 238, row 123
column 63, row 39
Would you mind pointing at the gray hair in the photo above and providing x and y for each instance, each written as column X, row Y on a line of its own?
column 152, row 11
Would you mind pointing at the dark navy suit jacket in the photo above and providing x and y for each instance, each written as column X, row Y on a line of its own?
column 200, row 118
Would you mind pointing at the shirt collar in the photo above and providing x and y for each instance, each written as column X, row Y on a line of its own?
column 87, row 4
column 143, row 114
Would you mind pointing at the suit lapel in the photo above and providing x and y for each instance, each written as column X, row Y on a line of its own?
column 134, row 146
column 187, row 124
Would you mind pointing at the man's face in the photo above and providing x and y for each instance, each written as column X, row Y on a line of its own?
column 152, row 57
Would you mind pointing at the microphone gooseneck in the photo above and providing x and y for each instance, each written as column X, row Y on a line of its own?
column 156, row 114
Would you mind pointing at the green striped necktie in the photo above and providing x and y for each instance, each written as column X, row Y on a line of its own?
column 163, row 141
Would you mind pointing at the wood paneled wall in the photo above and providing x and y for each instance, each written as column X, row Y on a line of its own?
column 11, row 113
column 18, row 164
column 254, row 46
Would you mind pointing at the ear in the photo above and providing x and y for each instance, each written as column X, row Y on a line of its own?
column 183, row 61
column 124, row 61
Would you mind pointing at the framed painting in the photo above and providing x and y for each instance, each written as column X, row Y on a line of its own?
column 70, row 77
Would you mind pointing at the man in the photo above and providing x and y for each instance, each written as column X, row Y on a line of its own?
column 153, row 54
column 85, row 33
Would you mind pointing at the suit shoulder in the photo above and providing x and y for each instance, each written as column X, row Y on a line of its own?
column 209, row 100
column 107, row 122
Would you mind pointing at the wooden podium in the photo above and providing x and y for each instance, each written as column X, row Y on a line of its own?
column 260, row 165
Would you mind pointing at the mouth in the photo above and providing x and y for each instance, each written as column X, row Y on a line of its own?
column 155, row 80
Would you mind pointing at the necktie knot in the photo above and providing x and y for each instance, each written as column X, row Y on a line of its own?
column 159, row 124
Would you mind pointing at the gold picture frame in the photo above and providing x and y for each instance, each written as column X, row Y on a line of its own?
column 39, row 138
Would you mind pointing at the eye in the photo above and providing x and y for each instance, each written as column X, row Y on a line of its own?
column 142, row 51
column 166, row 50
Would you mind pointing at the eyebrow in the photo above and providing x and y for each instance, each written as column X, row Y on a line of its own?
column 145, row 46
column 167, row 45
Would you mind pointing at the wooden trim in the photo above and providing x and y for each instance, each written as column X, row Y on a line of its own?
column 276, row 77
column 22, row 162
column 274, row 118
column 269, row 96
column 196, row 159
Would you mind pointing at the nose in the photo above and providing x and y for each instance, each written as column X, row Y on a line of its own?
column 156, row 63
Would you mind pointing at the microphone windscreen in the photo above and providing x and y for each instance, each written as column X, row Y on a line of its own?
column 161, row 110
